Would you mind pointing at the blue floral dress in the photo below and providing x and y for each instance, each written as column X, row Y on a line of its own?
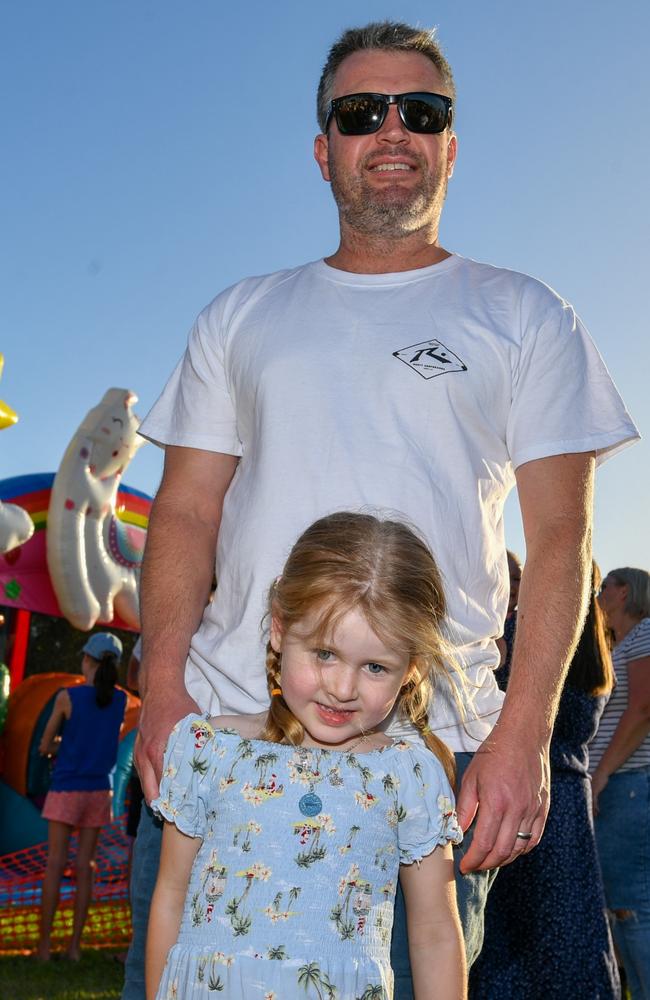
column 292, row 889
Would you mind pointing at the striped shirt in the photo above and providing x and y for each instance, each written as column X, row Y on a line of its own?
column 634, row 646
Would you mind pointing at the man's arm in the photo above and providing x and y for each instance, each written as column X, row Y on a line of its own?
column 508, row 780
column 176, row 576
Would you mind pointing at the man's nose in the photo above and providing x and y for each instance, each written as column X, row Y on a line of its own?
column 393, row 130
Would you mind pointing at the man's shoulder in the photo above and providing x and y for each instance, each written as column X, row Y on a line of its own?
column 252, row 289
column 498, row 277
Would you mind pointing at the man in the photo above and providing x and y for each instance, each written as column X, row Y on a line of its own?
column 397, row 375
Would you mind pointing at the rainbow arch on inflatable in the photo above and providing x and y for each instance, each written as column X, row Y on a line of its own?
column 24, row 577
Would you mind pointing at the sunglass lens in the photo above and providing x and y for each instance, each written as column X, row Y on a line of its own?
column 425, row 114
column 359, row 114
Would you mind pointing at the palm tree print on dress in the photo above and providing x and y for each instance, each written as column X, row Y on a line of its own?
column 375, row 992
column 199, row 765
column 383, row 913
column 396, row 814
column 266, row 786
column 383, row 856
column 247, row 829
column 215, row 983
column 311, row 975
column 349, row 840
column 309, row 833
column 450, row 826
column 356, row 895
column 365, row 798
column 214, row 877
column 278, row 953
column 275, row 913
column 243, row 751
column 241, row 922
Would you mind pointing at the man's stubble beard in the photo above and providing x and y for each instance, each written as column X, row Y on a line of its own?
column 395, row 212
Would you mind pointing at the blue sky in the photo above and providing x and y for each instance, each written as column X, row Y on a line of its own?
column 156, row 152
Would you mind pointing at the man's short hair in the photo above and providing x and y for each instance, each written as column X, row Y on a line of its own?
column 387, row 36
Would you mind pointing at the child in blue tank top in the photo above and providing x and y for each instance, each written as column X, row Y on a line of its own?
column 286, row 831
column 80, row 791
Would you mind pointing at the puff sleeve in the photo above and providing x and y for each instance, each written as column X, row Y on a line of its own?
column 188, row 771
column 426, row 815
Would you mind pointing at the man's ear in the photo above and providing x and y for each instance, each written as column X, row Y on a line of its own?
column 321, row 154
column 452, row 153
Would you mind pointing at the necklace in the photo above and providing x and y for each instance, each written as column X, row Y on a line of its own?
column 310, row 804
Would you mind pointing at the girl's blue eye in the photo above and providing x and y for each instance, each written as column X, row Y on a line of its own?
column 324, row 655
column 376, row 668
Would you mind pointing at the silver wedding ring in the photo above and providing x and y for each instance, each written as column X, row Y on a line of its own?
column 524, row 836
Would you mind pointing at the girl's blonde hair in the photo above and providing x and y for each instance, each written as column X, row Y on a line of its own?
column 348, row 561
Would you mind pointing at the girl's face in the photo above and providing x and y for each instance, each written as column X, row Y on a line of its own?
column 342, row 687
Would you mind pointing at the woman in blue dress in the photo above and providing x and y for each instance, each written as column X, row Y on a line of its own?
column 286, row 831
column 546, row 930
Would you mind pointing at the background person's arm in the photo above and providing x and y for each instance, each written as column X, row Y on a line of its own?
column 176, row 577
column 61, row 710
column 508, row 780
column 633, row 726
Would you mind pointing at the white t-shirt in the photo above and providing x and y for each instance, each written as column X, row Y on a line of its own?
column 416, row 393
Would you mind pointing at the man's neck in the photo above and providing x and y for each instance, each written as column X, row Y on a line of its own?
column 363, row 254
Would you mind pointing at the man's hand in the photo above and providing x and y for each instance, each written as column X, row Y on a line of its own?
column 161, row 710
column 508, row 786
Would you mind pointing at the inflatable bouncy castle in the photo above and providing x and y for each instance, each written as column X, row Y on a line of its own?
column 79, row 559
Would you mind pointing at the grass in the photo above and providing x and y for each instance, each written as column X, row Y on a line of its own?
column 98, row 976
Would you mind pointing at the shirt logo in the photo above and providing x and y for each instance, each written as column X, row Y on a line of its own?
column 430, row 358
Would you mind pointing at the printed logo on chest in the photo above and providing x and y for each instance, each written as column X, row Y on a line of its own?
column 430, row 358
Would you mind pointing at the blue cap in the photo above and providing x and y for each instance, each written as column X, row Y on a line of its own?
column 103, row 642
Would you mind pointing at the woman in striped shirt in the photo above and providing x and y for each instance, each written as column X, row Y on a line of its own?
column 620, row 766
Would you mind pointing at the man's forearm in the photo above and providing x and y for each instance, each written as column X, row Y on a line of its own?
column 556, row 499
column 176, row 577
column 552, row 606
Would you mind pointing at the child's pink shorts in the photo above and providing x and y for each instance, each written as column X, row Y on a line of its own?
column 79, row 808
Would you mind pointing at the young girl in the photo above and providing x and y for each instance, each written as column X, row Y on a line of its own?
column 80, row 795
column 286, row 831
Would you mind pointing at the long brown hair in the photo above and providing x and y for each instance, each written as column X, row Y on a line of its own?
column 348, row 561
column 591, row 667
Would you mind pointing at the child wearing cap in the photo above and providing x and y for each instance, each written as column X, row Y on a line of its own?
column 80, row 792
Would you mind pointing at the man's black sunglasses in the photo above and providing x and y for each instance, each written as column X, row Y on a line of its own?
column 362, row 114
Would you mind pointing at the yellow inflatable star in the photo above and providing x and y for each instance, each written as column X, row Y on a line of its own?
column 8, row 417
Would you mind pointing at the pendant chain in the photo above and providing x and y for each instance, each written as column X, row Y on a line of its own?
column 311, row 804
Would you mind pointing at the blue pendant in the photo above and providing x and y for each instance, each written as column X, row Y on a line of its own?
column 310, row 804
